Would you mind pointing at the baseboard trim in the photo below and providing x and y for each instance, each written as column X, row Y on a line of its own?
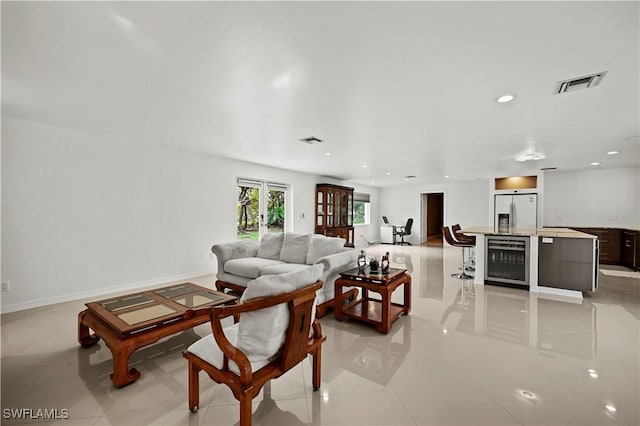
column 15, row 307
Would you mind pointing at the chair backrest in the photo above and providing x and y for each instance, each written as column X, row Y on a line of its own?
column 449, row 237
column 459, row 236
column 407, row 227
column 295, row 347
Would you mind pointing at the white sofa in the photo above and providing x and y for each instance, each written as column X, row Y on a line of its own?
column 242, row 261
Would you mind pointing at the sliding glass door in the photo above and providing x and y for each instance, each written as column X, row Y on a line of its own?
column 261, row 208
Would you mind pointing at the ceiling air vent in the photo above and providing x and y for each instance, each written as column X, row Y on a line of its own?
column 311, row 140
column 579, row 83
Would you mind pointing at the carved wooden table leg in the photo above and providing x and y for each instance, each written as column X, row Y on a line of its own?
column 337, row 300
column 407, row 295
column 385, row 323
column 122, row 375
column 85, row 338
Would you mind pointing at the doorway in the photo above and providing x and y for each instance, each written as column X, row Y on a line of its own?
column 261, row 209
column 432, row 218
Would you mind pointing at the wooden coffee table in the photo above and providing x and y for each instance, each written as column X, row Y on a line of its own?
column 373, row 311
column 129, row 322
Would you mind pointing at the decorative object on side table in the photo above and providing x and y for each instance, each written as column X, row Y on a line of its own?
column 362, row 261
column 373, row 266
column 385, row 263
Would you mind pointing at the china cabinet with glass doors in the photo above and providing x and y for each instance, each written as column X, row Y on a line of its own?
column 334, row 212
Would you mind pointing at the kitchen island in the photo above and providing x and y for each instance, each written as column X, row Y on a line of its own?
column 558, row 261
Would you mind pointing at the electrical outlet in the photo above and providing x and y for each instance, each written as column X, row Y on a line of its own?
column 613, row 217
column 4, row 286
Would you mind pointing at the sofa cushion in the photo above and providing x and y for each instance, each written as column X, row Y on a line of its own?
column 261, row 333
column 295, row 248
column 282, row 268
column 270, row 246
column 322, row 246
column 207, row 349
column 248, row 267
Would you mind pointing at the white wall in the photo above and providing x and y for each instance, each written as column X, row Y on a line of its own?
column 593, row 198
column 465, row 202
column 85, row 215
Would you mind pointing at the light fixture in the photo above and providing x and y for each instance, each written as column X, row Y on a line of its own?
column 595, row 163
column 533, row 156
column 446, row 177
column 327, row 154
column 406, row 178
column 613, row 152
column 505, row 98
column 528, row 394
column 611, row 408
column 310, row 140
column 388, row 173
column 364, row 166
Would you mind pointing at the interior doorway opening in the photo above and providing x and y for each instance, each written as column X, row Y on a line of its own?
column 432, row 218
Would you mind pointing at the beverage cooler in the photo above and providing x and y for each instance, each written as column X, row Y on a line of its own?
column 507, row 260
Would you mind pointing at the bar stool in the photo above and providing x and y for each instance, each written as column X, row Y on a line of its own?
column 448, row 236
column 466, row 239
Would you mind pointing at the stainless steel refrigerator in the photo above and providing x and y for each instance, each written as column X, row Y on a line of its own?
column 522, row 210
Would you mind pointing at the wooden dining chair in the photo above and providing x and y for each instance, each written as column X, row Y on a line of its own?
column 239, row 355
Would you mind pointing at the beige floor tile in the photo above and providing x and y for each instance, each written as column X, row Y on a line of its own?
column 460, row 357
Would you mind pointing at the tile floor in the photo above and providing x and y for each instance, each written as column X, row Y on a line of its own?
column 466, row 355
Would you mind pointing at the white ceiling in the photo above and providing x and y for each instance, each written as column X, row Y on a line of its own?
column 406, row 88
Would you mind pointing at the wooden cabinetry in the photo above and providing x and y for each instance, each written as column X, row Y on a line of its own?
column 334, row 212
column 610, row 243
column 630, row 249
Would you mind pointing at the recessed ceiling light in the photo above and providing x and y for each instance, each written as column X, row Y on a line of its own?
column 364, row 165
column 327, row 154
column 533, row 156
column 505, row 98
column 528, row 394
column 388, row 173
column 611, row 408
column 595, row 163
column 446, row 177
column 613, row 152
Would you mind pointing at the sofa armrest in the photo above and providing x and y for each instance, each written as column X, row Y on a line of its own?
column 234, row 250
column 338, row 262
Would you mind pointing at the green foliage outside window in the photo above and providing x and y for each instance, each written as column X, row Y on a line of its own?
column 360, row 213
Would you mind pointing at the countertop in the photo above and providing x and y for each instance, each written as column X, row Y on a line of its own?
column 541, row 232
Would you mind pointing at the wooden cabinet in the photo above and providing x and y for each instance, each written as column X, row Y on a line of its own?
column 610, row 243
column 630, row 249
column 334, row 212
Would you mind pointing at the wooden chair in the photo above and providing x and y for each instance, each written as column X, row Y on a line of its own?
column 302, row 337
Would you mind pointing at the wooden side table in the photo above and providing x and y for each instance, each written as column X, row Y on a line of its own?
column 382, row 312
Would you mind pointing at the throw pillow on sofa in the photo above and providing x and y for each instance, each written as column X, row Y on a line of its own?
column 261, row 333
column 322, row 246
column 295, row 248
column 270, row 246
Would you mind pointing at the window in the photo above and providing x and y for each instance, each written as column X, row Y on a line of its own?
column 361, row 209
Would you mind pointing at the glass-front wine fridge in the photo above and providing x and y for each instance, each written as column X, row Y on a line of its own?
column 507, row 260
